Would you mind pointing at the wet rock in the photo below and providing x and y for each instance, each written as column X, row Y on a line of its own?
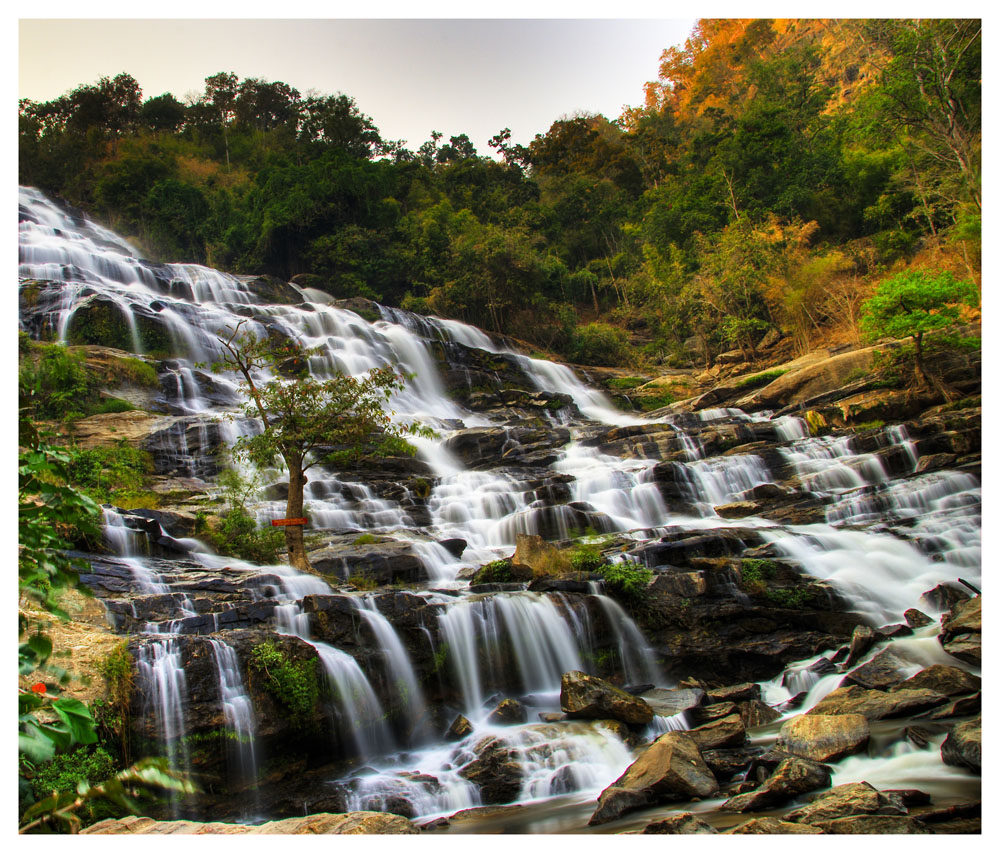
column 352, row 823
column 496, row 771
column 725, row 764
column 772, row 826
column 455, row 547
column 854, row 798
column 871, row 825
column 734, row 693
column 459, row 729
column 793, row 777
column 755, row 713
column 670, row 768
column 490, row 447
column 943, row 679
column 824, row 738
column 727, row 732
column 961, row 631
column 668, row 702
column 883, row 671
column 679, row 583
column 508, row 713
column 944, row 596
column 684, row 823
column 917, row 619
column 384, row 562
column 960, row 708
column 877, row 704
column 585, row 696
column 710, row 713
column 964, row 746
column 862, row 640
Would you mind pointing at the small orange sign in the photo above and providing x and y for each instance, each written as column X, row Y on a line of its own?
column 287, row 522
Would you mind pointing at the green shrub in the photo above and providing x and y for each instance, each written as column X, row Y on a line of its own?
column 624, row 383
column 53, row 382
column 649, row 404
column 365, row 539
column 499, row 571
column 599, row 344
column 626, row 580
column 293, row 684
column 363, row 581
column 64, row 772
column 107, row 473
column 875, row 424
column 587, row 558
column 760, row 379
column 754, row 574
column 112, row 406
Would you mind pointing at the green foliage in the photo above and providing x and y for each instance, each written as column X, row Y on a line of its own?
column 110, row 474
column 294, row 684
column 364, row 581
column 760, row 379
column 237, row 533
column 65, row 771
column 365, row 539
column 54, row 382
column 599, row 344
column 626, row 580
column 497, row 571
column 59, row 811
column 754, row 574
column 874, row 424
column 624, row 383
column 116, row 669
column 655, row 401
column 914, row 302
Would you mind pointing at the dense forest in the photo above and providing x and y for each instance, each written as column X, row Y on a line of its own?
column 774, row 173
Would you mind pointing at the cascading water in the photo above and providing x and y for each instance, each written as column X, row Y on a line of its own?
column 887, row 536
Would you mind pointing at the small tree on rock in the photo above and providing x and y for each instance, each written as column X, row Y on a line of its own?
column 306, row 420
column 913, row 303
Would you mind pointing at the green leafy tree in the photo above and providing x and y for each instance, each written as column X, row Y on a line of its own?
column 307, row 421
column 913, row 303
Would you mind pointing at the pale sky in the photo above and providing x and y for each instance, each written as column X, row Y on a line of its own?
column 473, row 76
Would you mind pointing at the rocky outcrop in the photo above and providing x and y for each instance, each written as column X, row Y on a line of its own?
column 382, row 563
column 585, row 696
column 726, row 732
column 352, row 823
column 671, row 768
column 852, row 799
column 946, row 680
column 496, row 770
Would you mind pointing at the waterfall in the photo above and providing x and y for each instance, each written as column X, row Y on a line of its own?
column 886, row 533
column 240, row 721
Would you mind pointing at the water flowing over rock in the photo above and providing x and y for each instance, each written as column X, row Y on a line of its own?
column 773, row 553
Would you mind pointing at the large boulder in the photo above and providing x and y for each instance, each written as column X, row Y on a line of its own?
column 964, row 745
column 793, row 777
column 823, row 737
column 670, row 768
column 877, row 704
column 684, row 823
column 718, row 734
column 585, row 696
column 946, row 680
column 883, row 671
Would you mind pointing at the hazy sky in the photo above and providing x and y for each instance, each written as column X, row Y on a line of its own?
column 411, row 76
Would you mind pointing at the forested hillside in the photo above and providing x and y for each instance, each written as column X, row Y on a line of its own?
column 775, row 172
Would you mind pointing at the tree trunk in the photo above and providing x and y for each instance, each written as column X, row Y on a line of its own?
column 922, row 381
column 293, row 533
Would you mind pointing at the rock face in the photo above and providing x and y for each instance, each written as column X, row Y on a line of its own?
column 536, row 554
column 585, row 696
column 496, row 771
column 961, row 631
column 792, row 777
column 964, row 746
column 946, row 680
column 726, row 732
column 671, row 768
column 352, row 823
column 823, row 737
column 772, row 826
